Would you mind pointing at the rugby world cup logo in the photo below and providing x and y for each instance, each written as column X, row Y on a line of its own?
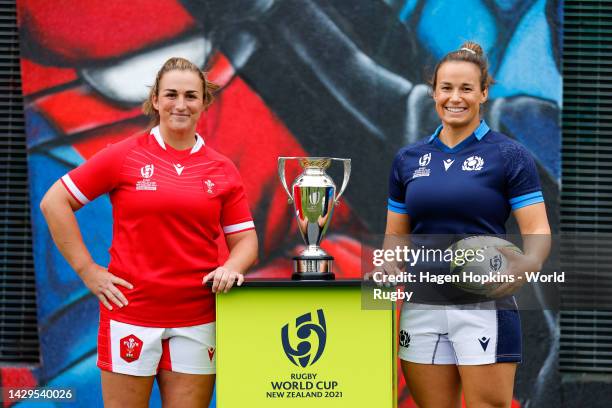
column 314, row 198
column 310, row 339
column 425, row 159
column 147, row 171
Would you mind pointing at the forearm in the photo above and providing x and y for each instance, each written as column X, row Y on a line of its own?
column 243, row 252
column 535, row 230
column 537, row 247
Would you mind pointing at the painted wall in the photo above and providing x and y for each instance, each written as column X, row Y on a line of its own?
column 299, row 77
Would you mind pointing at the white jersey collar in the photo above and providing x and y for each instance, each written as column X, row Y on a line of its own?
column 160, row 140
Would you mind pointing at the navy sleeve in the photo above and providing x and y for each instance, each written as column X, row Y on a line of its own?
column 523, row 183
column 397, row 189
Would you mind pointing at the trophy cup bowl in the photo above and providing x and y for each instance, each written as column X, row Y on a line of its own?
column 313, row 194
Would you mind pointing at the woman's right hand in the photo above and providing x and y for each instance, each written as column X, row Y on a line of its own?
column 380, row 275
column 102, row 284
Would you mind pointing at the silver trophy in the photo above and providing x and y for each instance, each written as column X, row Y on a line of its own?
column 314, row 198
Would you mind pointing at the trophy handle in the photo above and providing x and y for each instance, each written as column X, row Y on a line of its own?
column 281, row 175
column 345, row 180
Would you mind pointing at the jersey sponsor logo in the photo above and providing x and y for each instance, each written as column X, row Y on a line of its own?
column 424, row 160
column 404, row 338
column 209, row 186
column 130, row 348
column 147, row 171
column 146, row 183
column 179, row 169
column 448, row 163
column 473, row 163
column 484, row 342
column 211, row 353
column 311, row 338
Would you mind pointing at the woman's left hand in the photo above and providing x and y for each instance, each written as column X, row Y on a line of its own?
column 223, row 279
column 518, row 264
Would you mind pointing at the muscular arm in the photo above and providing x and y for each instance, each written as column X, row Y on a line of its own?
column 58, row 207
column 533, row 224
column 396, row 234
column 243, row 249
column 397, row 224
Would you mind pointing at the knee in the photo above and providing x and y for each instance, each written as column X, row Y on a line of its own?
column 493, row 401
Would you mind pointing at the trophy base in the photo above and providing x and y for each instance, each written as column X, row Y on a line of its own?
column 313, row 268
column 313, row 276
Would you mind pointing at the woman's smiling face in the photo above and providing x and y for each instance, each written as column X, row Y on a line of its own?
column 180, row 100
column 458, row 94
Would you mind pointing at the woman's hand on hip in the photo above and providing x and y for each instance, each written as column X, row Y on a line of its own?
column 102, row 284
column 223, row 279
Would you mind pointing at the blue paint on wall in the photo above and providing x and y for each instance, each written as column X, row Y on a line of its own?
column 407, row 9
column 528, row 66
column 445, row 25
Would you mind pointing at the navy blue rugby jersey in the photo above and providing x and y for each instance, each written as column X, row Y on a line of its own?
column 469, row 189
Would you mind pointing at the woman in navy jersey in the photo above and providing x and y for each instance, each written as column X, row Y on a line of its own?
column 172, row 196
column 465, row 179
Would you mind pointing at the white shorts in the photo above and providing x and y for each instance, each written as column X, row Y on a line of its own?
column 142, row 351
column 473, row 334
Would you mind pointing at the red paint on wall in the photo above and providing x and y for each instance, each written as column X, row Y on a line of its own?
column 82, row 32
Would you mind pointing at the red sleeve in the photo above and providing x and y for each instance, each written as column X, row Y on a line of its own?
column 96, row 176
column 235, row 214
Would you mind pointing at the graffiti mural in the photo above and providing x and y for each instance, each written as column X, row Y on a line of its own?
column 298, row 77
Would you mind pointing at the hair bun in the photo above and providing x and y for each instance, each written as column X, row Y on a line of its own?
column 472, row 46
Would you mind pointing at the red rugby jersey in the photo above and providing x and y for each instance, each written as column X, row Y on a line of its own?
column 168, row 208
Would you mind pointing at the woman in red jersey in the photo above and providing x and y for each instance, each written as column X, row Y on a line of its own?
column 172, row 196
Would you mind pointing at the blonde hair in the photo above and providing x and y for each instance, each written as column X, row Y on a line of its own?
column 468, row 52
column 179, row 64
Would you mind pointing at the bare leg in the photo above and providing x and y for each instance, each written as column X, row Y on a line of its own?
column 185, row 390
column 121, row 390
column 488, row 386
column 433, row 386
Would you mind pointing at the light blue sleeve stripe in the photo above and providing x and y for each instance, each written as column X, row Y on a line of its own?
column 527, row 202
column 397, row 207
column 397, row 210
column 396, row 204
column 518, row 199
